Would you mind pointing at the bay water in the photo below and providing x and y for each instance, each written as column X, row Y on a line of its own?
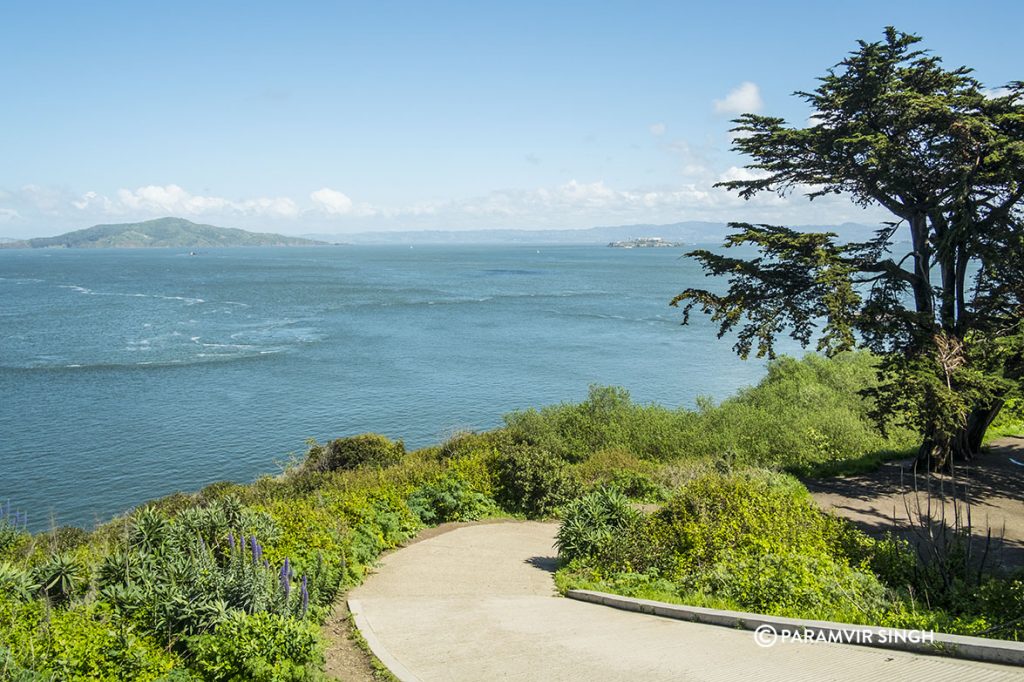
column 130, row 374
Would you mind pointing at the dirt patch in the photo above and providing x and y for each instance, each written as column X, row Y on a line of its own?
column 885, row 500
column 345, row 659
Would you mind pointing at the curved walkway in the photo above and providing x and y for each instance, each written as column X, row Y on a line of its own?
column 478, row 603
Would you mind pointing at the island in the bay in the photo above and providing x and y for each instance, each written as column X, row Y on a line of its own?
column 645, row 243
column 162, row 232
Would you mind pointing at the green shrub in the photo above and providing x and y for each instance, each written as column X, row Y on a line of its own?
column 787, row 582
column 261, row 647
column 355, row 452
column 594, row 524
column 621, row 469
column 185, row 575
column 78, row 643
column 741, row 510
column 471, row 444
column 748, row 539
column 450, row 498
column 16, row 583
column 606, row 419
column 532, row 481
column 1009, row 421
column 804, row 413
column 807, row 416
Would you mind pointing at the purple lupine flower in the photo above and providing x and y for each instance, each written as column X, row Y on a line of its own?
column 266, row 564
column 202, row 544
column 254, row 547
column 286, row 583
column 231, row 541
column 305, row 596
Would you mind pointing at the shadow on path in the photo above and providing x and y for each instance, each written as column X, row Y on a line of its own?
column 885, row 500
column 544, row 563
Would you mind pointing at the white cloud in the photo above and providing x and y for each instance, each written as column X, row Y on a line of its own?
column 91, row 200
column 993, row 93
column 657, row 129
column 744, row 98
column 740, row 173
column 175, row 200
column 332, row 201
column 575, row 204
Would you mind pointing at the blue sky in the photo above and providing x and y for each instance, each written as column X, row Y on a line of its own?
column 338, row 117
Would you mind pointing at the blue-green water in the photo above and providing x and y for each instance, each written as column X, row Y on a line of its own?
column 126, row 375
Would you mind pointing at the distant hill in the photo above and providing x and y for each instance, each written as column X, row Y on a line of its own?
column 162, row 232
column 691, row 232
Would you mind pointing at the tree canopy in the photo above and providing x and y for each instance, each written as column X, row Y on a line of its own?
column 938, row 292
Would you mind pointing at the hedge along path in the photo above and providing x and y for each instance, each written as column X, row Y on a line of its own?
column 479, row 603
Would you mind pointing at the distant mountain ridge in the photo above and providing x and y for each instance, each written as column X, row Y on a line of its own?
column 690, row 232
column 162, row 232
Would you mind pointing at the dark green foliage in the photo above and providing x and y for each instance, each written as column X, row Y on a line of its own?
column 184, row 576
column 64, row 538
column 532, row 481
column 450, row 498
column 468, row 444
column 11, row 539
column 355, row 452
column 892, row 128
column 60, row 578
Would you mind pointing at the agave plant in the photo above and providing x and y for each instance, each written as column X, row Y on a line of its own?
column 590, row 522
column 60, row 578
column 16, row 582
column 149, row 531
column 126, row 598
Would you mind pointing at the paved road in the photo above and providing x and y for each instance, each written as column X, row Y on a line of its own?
column 478, row 603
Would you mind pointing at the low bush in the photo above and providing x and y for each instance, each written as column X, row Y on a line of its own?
column 532, row 481
column 608, row 418
column 369, row 450
column 752, row 538
column 262, row 647
column 595, row 526
column 450, row 497
column 807, row 416
column 84, row 642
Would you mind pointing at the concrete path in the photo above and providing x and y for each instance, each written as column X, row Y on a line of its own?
column 478, row 603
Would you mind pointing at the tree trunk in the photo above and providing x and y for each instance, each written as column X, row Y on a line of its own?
column 941, row 453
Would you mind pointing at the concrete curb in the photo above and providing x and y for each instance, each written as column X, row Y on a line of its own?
column 376, row 646
column 772, row 628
